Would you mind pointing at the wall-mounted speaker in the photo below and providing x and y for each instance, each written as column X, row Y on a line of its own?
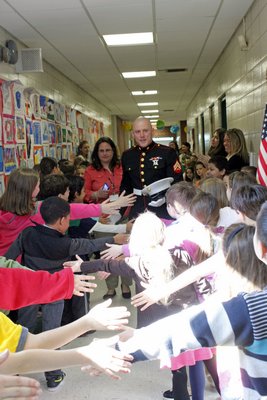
column 29, row 60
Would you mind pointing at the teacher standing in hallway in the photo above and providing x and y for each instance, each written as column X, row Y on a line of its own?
column 146, row 163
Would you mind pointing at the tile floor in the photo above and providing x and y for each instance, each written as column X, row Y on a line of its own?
column 146, row 381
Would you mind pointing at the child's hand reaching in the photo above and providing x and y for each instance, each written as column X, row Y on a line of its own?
column 151, row 295
column 74, row 265
column 105, row 359
column 113, row 251
column 102, row 317
column 82, row 284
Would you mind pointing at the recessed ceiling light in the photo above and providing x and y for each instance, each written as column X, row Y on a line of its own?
column 151, row 116
column 129, row 39
column 144, row 92
column 149, row 111
column 138, row 74
column 151, row 103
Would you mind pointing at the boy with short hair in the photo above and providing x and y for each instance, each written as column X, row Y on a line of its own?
column 46, row 247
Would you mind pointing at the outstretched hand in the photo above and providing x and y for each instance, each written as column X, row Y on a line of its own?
column 104, row 317
column 151, row 295
column 74, row 265
column 122, row 201
column 82, row 284
column 113, row 251
column 105, row 359
column 18, row 387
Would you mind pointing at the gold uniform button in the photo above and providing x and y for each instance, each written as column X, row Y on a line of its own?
column 142, row 165
column 142, row 172
column 143, row 154
column 142, row 180
column 155, row 167
column 142, row 159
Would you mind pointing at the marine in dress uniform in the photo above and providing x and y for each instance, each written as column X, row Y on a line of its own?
column 143, row 166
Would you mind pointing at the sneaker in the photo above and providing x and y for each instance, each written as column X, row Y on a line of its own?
column 55, row 382
column 168, row 394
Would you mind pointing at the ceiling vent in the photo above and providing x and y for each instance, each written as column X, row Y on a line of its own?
column 30, row 60
column 168, row 110
column 171, row 70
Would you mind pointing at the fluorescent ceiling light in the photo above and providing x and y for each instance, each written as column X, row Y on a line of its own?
column 138, row 74
column 149, row 111
column 129, row 39
column 144, row 92
column 151, row 116
column 153, row 120
column 151, row 103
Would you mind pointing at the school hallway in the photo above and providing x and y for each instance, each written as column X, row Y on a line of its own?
column 145, row 382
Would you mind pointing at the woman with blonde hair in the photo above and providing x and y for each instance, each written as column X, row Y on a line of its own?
column 236, row 149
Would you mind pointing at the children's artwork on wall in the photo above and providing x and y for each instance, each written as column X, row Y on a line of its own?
column 85, row 122
column 64, row 151
column 35, row 103
column 1, row 160
column 46, row 150
column 37, row 154
column 36, row 130
column 20, row 130
column 19, row 101
column 80, row 134
column 27, row 102
column 68, row 115
column 29, row 138
column 58, row 151
column 69, row 151
column 52, row 132
column 1, row 131
column 64, row 135
column 9, row 157
column 101, row 129
column 43, row 106
column 44, row 131
column 60, row 116
column 58, row 134
column 50, row 110
column 21, row 155
column 7, row 97
column 73, row 122
column 53, row 151
column 8, row 129
column 79, row 119
column 2, row 184
column 69, row 135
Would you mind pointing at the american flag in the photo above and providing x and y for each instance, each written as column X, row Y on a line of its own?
column 262, row 159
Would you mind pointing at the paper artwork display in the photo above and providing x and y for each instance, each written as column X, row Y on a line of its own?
column 1, row 159
column 50, row 110
column 46, row 150
column 1, row 131
column 44, row 131
column 52, row 132
column 9, row 157
column 8, row 129
column 43, row 106
column 58, row 134
column 37, row 154
column 73, row 122
column 19, row 100
column 35, row 104
column 53, row 150
column 20, row 130
column 36, row 130
column 2, row 184
column 29, row 138
column 58, row 151
column 21, row 155
column 64, row 135
column 60, row 116
column 7, row 97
